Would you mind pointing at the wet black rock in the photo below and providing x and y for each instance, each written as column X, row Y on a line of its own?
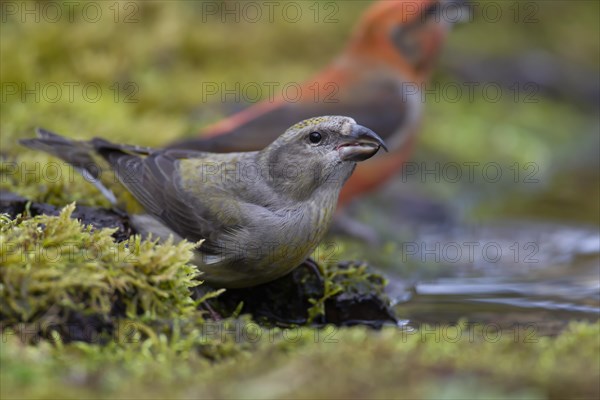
column 13, row 204
column 287, row 300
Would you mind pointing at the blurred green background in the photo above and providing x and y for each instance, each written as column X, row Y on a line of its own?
column 133, row 72
column 139, row 80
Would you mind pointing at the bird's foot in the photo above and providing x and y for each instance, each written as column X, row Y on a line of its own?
column 205, row 306
column 311, row 265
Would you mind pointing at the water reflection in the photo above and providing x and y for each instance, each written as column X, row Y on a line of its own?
column 557, row 283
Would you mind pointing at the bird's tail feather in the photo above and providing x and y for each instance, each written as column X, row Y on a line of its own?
column 79, row 154
column 76, row 153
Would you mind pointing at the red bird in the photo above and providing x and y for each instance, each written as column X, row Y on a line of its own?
column 375, row 80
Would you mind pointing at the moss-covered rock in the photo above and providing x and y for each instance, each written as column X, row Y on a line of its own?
column 57, row 274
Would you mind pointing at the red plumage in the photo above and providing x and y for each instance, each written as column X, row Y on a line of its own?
column 375, row 80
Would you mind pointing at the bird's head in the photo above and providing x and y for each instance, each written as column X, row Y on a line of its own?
column 406, row 34
column 318, row 153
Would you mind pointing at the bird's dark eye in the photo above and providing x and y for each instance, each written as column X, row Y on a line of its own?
column 314, row 137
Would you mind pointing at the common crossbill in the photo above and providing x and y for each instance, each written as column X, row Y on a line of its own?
column 259, row 214
column 376, row 80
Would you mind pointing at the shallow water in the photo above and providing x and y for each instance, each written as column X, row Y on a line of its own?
column 557, row 280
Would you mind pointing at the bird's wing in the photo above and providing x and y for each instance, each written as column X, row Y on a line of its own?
column 154, row 180
column 378, row 102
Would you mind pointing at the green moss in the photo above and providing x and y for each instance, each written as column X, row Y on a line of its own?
column 432, row 362
column 352, row 280
column 54, row 268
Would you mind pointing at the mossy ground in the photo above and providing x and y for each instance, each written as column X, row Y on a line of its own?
column 84, row 316
column 339, row 363
column 156, row 342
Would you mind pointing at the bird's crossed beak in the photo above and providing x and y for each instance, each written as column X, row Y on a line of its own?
column 361, row 144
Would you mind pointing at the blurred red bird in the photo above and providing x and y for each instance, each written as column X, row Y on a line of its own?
column 375, row 80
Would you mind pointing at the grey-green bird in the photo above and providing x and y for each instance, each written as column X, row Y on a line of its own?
column 260, row 213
